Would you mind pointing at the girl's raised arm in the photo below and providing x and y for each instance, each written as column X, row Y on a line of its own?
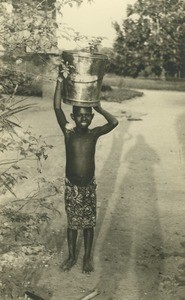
column 112, row 122
column 61, row 118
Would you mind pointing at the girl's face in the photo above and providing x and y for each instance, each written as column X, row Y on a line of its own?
column 82, row 116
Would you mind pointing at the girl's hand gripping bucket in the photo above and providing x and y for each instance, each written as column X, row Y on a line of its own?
column 82, row 77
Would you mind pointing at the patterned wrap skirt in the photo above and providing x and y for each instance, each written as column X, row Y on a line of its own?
column 80, row 205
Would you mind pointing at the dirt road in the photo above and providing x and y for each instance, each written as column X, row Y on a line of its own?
column 139, row 247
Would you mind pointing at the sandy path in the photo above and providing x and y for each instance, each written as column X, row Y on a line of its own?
column 139, row 249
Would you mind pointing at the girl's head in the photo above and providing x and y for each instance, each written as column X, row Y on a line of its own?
column 82, row 116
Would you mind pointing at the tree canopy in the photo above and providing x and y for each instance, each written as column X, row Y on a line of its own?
column 32, row 24
column 152, row 36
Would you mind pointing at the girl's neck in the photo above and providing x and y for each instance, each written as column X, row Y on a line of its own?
column 82, row 130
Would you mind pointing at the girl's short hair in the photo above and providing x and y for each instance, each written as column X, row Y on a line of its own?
column 77, row 108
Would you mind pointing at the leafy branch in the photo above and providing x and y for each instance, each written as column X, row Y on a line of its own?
column 21, row 143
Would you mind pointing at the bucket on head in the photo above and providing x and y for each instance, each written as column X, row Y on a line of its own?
column 83, row 77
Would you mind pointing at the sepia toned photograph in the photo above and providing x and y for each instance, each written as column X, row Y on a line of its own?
column 92, row 150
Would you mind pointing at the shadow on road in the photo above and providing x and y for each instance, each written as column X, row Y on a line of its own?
column 132, row 247
column 180, row 130
column 107, row 178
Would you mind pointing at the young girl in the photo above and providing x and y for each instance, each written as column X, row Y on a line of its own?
column 80, row 191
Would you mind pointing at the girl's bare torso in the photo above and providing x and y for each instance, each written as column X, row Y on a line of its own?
column 80, row 157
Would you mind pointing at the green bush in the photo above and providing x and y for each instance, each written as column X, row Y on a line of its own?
column 22, row 83
column 106, row 88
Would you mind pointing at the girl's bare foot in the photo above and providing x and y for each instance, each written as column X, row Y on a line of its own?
column 68, row 264
column 87, row 266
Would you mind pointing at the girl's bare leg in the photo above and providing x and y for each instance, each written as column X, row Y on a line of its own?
column 88, row 241
column 71, row 238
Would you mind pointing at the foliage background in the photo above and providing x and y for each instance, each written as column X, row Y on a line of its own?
column 151, row 39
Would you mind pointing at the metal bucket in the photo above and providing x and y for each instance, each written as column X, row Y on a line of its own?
column 82, row 84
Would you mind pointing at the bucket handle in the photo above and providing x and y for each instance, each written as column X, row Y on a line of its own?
column 79, row 81
column 84, row 79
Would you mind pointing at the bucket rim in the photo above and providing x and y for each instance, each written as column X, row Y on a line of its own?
column 80, row 53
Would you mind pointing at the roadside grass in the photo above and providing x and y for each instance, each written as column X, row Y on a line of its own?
column 119, row 95
column 143, row 83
